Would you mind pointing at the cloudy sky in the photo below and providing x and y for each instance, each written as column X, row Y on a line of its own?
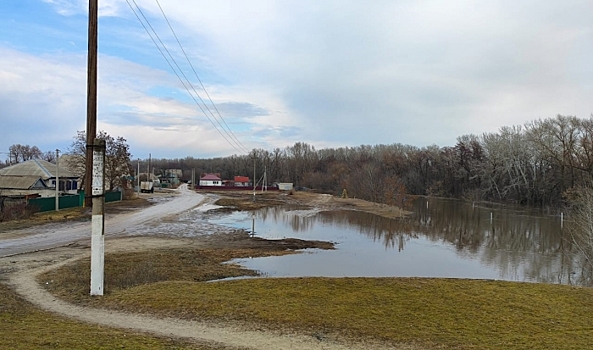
column 330, row 73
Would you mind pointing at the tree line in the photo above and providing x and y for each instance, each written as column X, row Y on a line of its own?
column 532, row 164
column 18, row 153
column 538, row 163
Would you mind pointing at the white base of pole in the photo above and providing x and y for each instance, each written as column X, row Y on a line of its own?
column 97, row 255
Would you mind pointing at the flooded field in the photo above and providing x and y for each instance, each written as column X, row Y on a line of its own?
column 443, row 238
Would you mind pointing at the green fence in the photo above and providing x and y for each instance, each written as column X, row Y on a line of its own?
column 113, row 196
column 68, row 201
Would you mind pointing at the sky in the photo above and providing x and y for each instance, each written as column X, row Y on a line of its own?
column 332, row 73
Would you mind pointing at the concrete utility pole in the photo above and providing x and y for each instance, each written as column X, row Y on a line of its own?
column 138, row 177
column 254, row 176
column 57, row 179
column 91, row 106
column 98, row 218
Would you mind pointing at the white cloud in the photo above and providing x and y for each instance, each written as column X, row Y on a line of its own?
column 107, row 8
column 328, row 73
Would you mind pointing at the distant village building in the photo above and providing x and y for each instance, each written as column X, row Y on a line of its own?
column 171, row 177
column 24, row 186
column 36, row 176
column 211, row 180
column 241, row 181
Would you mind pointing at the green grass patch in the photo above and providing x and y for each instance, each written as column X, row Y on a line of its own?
column 126, row 270
column 453, row 313
column 466, row 314
column 24, row 327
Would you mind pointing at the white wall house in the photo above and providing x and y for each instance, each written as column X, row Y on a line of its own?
column 210, row 180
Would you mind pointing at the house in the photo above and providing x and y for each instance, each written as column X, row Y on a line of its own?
column 210, row 180
column 171, row 177
column 18, row 175
column 241, row 181
column 24, row 186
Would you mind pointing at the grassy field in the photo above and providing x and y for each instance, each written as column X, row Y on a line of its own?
column 456, row 314
column 25, row 327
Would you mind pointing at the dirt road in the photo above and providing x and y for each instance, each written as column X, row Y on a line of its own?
column 40, row 238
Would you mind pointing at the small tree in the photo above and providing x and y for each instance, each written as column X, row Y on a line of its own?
column 117, row 157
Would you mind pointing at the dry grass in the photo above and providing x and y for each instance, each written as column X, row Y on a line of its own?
column 126, row 270
column 460, row 314
column 455, row 314
column 24, row 327
column 244, row 200
column 71, row 214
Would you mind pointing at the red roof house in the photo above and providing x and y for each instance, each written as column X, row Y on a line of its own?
column 241, row 181
column 210, row 180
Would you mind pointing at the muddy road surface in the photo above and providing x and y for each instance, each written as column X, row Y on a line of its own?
column 46, row 237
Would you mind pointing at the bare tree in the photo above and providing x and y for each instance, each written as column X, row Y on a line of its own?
column 49, row 156
column 581, row 225
column 117, row 157
column 20, row 153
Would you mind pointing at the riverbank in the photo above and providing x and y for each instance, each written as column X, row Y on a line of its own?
column 244, row 200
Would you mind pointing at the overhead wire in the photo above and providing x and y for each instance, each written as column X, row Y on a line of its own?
column 237, row 146
column 198, row 77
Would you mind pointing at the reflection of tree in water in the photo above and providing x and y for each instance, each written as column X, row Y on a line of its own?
column 516, row 242
column 391, row 232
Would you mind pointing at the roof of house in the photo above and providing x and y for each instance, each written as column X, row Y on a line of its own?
column 21, row 182
column 210, row 177
column 37, row 167
column 241, row 179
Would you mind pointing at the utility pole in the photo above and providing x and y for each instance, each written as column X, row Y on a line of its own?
column 265, row 182
column 57, row 180
column 138, row 177
column 91, row 106
column 98, row 218
column 254, row 176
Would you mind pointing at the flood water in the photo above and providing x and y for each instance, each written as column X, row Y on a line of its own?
column 443, row 238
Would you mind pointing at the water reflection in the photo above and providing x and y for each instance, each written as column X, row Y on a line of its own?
column 444, row 238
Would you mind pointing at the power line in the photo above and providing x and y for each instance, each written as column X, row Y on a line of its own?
column 181, row 71
column 200, row 80
column 236, row 145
